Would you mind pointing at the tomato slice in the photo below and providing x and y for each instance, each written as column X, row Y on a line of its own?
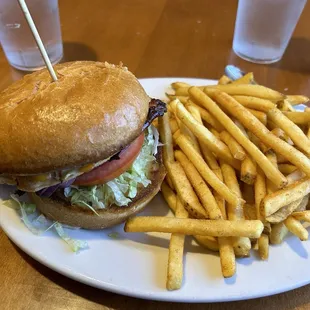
column 112, row 169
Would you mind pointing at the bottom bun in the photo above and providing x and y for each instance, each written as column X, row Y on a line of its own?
column 60, row 210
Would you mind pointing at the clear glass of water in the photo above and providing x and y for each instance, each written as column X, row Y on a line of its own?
column 16, row 37
column 264, row 27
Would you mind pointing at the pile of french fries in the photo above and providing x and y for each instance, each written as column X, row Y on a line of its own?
column 238, row 171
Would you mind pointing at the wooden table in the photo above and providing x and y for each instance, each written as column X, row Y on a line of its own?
column 188, row 38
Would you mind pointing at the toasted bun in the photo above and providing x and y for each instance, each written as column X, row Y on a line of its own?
column 61, row 211
column 92, row 112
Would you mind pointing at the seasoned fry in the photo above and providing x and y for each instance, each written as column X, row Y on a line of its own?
column 284, row 105
column 185, row 190
column 201, row 188
column 271, row 172
column 263, row 246
column 207, row 174
column 261, row 116
column 227, row 257
column 260, row 131
column 245, row 79
column 284, row 212
column 247, row 90
column 294, row 176
column 182, row 99
column 215, row 228
column 205, row 136
column 208, row 242
column 296, row 228
column 275, row 201
column 292, row 130
column 224, row 79
column 249, row 211
column 278, row 132
column 259, row 192
column 255, row 103
column 298, row 118
column 278, row 232
column 173, row 125
column 241, row 246
column 166, row 138
column 235, row 148
column 176, row 252
column 177, row 85
column 181, row 91
column 206, row 116
column 170, row 197
column 303, row 205
column 248, row 171
column 302, row 215
column 297, row 99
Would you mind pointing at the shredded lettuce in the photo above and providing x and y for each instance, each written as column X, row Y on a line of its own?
column 121, row 190
column 38, row 224
column 74, row 244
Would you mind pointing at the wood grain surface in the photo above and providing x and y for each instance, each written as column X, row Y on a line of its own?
column 184, row 38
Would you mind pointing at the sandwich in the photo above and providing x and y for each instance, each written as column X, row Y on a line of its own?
column 83, row 147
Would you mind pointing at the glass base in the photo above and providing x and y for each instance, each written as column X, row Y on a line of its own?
column 32, row 69
column 257, row 61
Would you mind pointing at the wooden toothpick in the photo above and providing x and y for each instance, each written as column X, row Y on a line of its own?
column 36, row 36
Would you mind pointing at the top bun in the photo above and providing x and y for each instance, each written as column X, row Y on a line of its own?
column 92, row 112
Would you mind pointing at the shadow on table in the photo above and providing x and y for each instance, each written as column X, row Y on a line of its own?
column 78, row 51
column 296, row 57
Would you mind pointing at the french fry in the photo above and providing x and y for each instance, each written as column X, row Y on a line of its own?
column 294, row 177
column 201, row 188
column 284, row 212
column 182, row 99
column 255, row 103
column 263, row 246
column 208, row 201
column 261, row 116
column 302, row 215
column 248, row 193
column 292, row 130
column 303, row 205
column 260, row 131
column 278, row 233
column 210, row 243
column 296, row 228
column 166, row 138
column 173, row 125
column 185, row 191
column 181, row 91
column 171, row 198
column 249, row 211
column 298, row 118
column 227, row 257
column 271, row 172
column 259, row 191
column 206, row 116
column 297, row 99
column 241, row 246
column 177, row 85
column 224, row 79
column 247, row 90
column 278, row 132
column 215, row 228
column 205, row 136
column 248, row 171
column 235, row 148
column 275, row 201
column 176, row 253
column 169, row 181
column 285, row 105
column 245, row 79
column 207, row 174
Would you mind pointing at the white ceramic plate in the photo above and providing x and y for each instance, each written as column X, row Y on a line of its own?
column 135, row 264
